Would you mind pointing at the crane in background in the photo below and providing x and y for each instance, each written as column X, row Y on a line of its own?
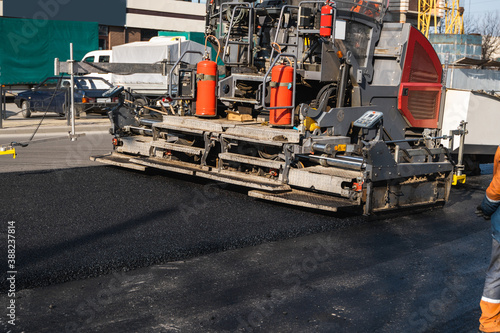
column 446, row 14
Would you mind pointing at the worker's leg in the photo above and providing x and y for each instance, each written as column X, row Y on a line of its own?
column 490, row 302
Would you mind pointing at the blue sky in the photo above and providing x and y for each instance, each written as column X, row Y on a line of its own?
column 478, row 7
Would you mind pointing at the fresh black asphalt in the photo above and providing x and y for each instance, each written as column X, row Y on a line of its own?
column 178, row 254
column 76, row 223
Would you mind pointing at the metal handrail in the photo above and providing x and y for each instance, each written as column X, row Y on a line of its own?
column 278, row 28
column 170, row 74
column 231, row 24
column 334, row 18
column 293, row 85
column 221, row 12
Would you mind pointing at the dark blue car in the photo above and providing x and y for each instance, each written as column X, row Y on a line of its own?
column 52, row 95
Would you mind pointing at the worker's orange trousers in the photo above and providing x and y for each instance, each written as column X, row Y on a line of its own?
column 490, row 302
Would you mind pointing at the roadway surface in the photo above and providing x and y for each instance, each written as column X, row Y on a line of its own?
column 102, row 249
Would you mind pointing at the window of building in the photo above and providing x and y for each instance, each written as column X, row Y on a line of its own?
column 103, row 43
column 147, row 34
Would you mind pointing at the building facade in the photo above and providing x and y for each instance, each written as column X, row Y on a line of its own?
column 120, row 21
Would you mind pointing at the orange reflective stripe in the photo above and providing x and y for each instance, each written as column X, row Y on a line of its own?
column 493, row 191
column 490, row 318
column 357, row 9
column 367, row 8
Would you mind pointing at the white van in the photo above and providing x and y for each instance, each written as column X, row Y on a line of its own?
column 99, row 56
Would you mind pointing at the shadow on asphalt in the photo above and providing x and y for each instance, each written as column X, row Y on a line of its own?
column 112, row 218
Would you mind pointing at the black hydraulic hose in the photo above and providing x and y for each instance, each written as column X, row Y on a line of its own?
column 324, row 101
column 320, row 95
column 308, row 52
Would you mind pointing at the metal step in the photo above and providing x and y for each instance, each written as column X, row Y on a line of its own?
column 236, row 178
column 177, row 147
column 251, row 181
column 118, row 159
column 169, row 165
column 306, row 199
column 239, row 100
column 252, row 160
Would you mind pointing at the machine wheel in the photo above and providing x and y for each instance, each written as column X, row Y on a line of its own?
column 25, row 109
column 472, row 165
column 140, row 103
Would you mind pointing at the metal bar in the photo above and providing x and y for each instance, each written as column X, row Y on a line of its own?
column 251, row 30
column 335, row 162
column 73, row 116
column 221, row 11
column 460, row 166
column 287, row 44
column 267, row 75
column 231, row 24
column 172, row 72
column 149, row 122
column 334, row 21
column 1, row 105
column 419, row 139
column 5, row 102
column 116, row 68
column 344, row 77
column 237, row 43
column 66, row 107
column 308, row 31
column 285, row 7
column 350, row 158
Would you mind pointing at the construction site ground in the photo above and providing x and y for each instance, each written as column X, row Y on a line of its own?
column 15, row 123
column 103, row 249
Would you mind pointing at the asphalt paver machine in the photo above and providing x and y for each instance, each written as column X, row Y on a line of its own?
column 313, row 104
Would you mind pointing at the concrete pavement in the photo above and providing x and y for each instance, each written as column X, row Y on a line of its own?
column 50, row 148
column 14, row 123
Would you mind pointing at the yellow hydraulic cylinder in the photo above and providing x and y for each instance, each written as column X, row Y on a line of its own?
column 10, row 151
column 458, row 179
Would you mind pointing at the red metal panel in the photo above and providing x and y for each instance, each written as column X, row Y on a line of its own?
column 420, row 91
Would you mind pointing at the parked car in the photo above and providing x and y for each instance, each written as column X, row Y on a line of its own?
column 92, row 94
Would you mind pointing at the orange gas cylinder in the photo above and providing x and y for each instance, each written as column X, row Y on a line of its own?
column 206, row 75
column 325, row 29
column 281, row 95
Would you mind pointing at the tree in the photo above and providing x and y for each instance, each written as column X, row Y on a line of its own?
column 488, row 26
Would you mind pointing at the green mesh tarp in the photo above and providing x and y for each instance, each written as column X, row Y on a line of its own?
column 28, row 47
